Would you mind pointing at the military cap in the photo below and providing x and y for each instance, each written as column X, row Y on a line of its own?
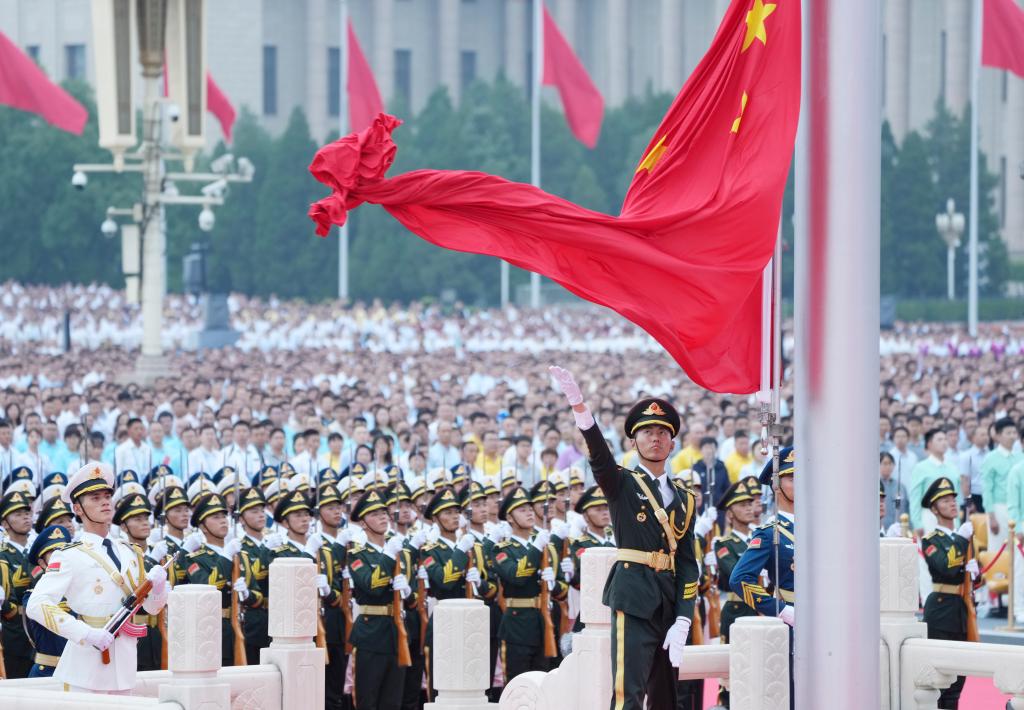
column 542, row 491
column 687, row 478
column 558, row 481
column 473, row 491
column 786, row 466
column 286, row 469
column 155, row 474
column 57, row 478
column 207, row 505
column 129, row 506
column 127, row 475
column 52, row 510
column 442, row 500
column 229, row 482
column 172, row 498
column 460, row 474
column 398, row 492
column 327, row 475
column 52, row 537
column 14, row 501
column 201, row 486
column 940, row 488
column 509, row 476
column 251, row 498
column 89, row 479
column 292, row 502
column 490, row 486
column 157, row 488
column 437, row 477
column 298, row 482
column 649, row 412
column 515, row 498
column 591, row 497
column 417, row 487
column 344, row 487
column 575, row 476
column 273, row 491
column 222, row 473
column 329, row 493
column 264, row 476
column 20, row 473
column 736, row 493
column 370, row 501
column 355, row 470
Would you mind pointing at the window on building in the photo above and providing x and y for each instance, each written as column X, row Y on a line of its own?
column 74, row 61
column 32, row 50
column 403, row 75
column 1002, row 192
column 333, row 81
column 467, row 68
column 269, row 80
column 942, row 65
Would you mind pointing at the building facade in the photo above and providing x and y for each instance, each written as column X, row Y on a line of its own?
column 274, row 55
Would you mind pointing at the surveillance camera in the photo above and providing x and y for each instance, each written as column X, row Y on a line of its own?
column 246, row 170
column 206, row 219
column 170, row 189
column 79, row 180
column 109, row 228
column 173, row 112
column 215, row 189
column 223, row 163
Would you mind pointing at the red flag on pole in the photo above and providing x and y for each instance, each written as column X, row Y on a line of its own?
column 24, row 86
column 364, row 102
column 684, row 258
column 584, row 107
column 218, row 104
column 1002, row 41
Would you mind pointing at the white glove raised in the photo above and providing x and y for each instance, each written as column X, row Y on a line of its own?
column 322, row 586
column 159, row 550
column 704, row 524
column 710, row 560
column 421, row 573
column 232, row 548
column 401, row 584
column 345, row 537
column 358, row 536
column 193, row 542
column 787, row 614
column 473, row 576
column 272, row 540
column 565, row 382
column 568, row 568
column 560, row 529
column 158, row 576
column 466, row 543
column 541, row 540
column 241, row 588
column 393, row 547
column 966, row 531
column 418, row 539
column 972, row 567
column 895, row 530
column 675, row 640
column 100, row 639
column 548, row 575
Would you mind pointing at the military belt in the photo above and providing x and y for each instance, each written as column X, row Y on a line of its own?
column 45, row 659
column 947, row 588
column 97, row 622
column 376, row 609
column 522, row 602
column 787, row 596
column 657, row 560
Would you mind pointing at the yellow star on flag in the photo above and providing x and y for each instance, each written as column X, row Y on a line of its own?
column 652, row 158
column 755, row 23
column 743, row 107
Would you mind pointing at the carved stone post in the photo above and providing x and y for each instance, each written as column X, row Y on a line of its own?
column 898, row 591
column 462, row 663
column 294, row 606
column 594, row 643
column 193, row 648
column 759, row 664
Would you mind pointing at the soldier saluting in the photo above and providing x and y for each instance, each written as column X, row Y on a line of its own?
column 652, row 587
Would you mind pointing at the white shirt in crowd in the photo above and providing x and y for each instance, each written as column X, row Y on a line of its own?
column 137, row 458
column 203, row 460
column 246, row 460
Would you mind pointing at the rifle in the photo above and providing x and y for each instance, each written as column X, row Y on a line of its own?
column 321, row 632
column 470, row 590
column 421, row 609
column 162, row 616
column 129, row 605
column 967, row 592
column 714, row 608
column 236, row 624
column 550, row 649
column 565, row 623
column 404, row 658
column 346, row 585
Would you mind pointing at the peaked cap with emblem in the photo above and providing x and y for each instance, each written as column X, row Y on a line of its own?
column 473, row 491
column 460, row 474
column 329, row 493
column 787, row 465
column 127, row 475
column 286, row 469
column 543, row 491
column 292, row 502
column 56, row 478
column 52, row 537
column 368, row 502
column 327, row 475
column 130, row 506
column 516, row 498
column 744, row 489
column 354, row 471
column 52, row 510
column 591, row 497
column 89, row 479
column 940, row 488
column 20, row 473
column 207, row 505
column 13, row 502
column 157, row 473
column 650, row 412
column 265, row 476
column 173, row 497
column 251, row 498
column 398, row 492
column 442, row 500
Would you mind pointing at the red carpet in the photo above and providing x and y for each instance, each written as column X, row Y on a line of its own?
column 979, row 694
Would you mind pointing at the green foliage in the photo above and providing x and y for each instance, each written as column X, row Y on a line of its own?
column 938, row 309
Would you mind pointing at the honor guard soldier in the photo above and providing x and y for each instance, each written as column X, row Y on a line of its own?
column 592, row 506
column 94, row 575
column 255, row 561
column 652, row 588
column 173, row 508
column 48, row 645
column 378, row 679
column 947, row 555
column 55, row 512
column 332, row 562
column 16, row 516
column 475, row 501
column 132, row 516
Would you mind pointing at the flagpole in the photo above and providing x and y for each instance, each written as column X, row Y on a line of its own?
column 837, row 360
column 972, row 248
column 342, row 132
column 538, row 74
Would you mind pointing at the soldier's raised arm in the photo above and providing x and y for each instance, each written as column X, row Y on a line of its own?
column 606, row 471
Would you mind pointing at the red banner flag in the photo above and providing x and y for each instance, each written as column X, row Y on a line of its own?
column 23, row 85
column 1002, row 41
column 584, row 107
column 218, row 104
column 364, row 102
column 684, row 258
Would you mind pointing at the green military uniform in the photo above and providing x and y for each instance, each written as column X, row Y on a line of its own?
column 728, row 549
column 489, row 589
column 149, row 648
column 655, row 579
column 255, row 562
column 15, row 581
column 48, row 645
column 945, row 613
column 590, row 498
column 52, row 511
column 332, row 561
column 173, row 497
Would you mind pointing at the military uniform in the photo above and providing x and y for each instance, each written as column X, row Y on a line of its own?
column 173, row 497
column 15, row 581
column 590, row 498
column 48, row 645
column 332, row 562
column 255, row 565
column 728, row 549
column 150, row 646
column 655, row 579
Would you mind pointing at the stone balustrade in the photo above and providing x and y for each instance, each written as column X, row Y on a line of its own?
column 462, row 662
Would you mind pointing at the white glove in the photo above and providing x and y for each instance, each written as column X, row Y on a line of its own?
column 568, row 568
column 675, row 640
column 418, row 539
column 273, row 540
column 576, row 526
column 560, row 529
column 787, row 614
column 895, row 530
column 159, row 550
column 421, row 573
column 3, row 595
column 497, row 534
column 345, row 537
column 565, row 382
column 466, row 542
column 241, row 588
column 158, row 576
column 473, row 576
column 704, row 524
column 359, row 536
column 548, row 575
column 972, row 567
column 232, row 548
column 401, row 584
column 433, row 533
column 193, row 542
column 713, row 512
column 966, row 531
column 463, row 522
column 540, row 541
column 99, row 639
column 156, row 535
column 710, row 560
column 345, row 574
column 313, row 545
column 393, row 547
column 322, row 586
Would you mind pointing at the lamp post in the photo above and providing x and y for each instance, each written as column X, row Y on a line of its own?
column 951, row 226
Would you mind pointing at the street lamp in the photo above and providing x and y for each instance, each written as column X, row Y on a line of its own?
column 950, row 225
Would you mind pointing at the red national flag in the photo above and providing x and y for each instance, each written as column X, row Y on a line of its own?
column 23, row 85
column 584, row 107
column 364, row 102
column 219, row 105
column 684, row 258
column 1002, row 41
